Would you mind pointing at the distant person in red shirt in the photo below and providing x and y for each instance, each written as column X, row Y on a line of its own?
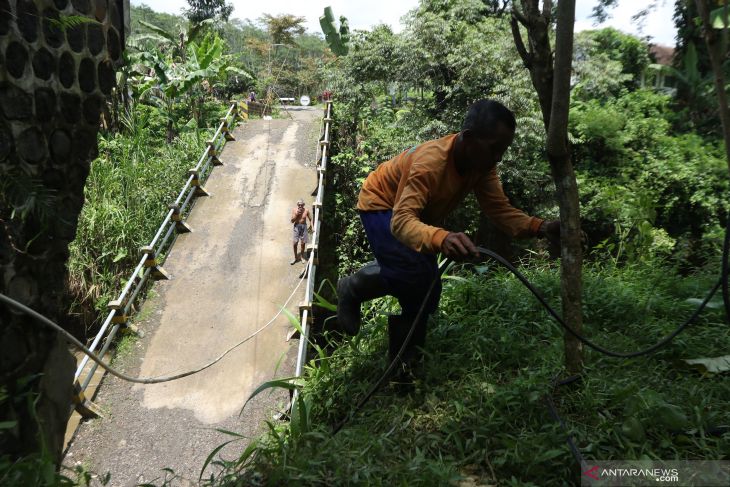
column 299, row 217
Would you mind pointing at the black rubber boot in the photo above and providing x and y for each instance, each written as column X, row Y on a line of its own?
column 404, row 373
column 398, row 328
column 352, row 291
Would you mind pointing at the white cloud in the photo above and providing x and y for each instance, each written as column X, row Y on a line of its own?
column 360, row 14
column 659, row 24
column 365, row 14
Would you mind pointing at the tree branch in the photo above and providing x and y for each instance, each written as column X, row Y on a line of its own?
column 547, row 9
column 518, row 15
column 519, row 43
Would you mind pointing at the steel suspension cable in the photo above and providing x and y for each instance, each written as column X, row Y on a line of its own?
column 39, row 318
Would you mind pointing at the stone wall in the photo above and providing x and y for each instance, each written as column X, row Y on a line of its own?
column 56, row 70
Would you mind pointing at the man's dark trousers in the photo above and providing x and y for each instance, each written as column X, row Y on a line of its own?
column 407, row 274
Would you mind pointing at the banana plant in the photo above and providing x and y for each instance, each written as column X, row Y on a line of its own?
column 160, row 86
column 163, row 80
column 338, row 41
column 207, row 66
column 176, row 42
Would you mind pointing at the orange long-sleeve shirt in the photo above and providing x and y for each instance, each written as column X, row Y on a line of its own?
column 422, row 186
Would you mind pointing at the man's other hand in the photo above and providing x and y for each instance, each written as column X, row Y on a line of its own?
column 551, row 231
column 458, row 246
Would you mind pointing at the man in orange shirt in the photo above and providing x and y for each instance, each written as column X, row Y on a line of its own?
column 402, row 205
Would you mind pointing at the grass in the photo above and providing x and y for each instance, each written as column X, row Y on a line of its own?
column 136, row 175
column 147, row 308
column 125, row 346
column 480, row 411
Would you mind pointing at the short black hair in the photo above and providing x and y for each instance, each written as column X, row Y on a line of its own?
column 484, row 116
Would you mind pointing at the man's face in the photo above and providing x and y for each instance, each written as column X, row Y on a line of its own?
column 484, row 151
column 300, row 206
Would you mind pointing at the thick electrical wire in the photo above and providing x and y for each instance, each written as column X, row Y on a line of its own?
column 146, row 380
column 723, row 281
column 611, row 353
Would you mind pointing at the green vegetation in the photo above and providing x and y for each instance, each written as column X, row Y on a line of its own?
column 653, row 204
column 653, row 187
column 479, row 407
column 337, row 39
column 129, row 186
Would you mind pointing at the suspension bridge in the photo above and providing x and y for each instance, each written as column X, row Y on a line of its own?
column 218, row 275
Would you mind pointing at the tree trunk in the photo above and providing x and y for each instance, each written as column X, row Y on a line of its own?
column 564, row 177
column 170, row 132
column 717, row 55
column 47, row 139
column 552, row 83
column 494, row 239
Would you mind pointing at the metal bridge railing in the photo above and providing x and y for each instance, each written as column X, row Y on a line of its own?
column 305, row 308
column 152, row 255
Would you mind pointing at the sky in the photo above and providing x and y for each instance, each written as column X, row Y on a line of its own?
column 365, row 14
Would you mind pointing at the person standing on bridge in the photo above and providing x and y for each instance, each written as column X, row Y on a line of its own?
column 299, row 217
column 402, row 204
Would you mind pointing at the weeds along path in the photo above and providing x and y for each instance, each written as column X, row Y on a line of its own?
column 228, row 278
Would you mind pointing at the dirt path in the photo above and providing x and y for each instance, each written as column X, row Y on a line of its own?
column 229, row 278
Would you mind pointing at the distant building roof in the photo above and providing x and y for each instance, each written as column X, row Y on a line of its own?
column 663, row 54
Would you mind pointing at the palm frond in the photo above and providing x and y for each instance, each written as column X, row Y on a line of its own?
column 66, row 22
column 159, row 31
column 26, row 195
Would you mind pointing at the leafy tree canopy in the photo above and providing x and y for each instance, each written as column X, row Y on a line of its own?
column 283, row 28
column 201, row 10
column 607, row 60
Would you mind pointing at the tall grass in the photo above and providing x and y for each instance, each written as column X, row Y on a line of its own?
column 478, row 411
column 131, row 182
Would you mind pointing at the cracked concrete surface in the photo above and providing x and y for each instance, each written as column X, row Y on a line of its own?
column 228, row 278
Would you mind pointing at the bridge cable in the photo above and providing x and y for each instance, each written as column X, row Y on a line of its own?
column 146, row 380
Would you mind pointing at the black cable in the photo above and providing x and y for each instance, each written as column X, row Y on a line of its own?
column 396, row 360
column 549, row 397
column 501, row 260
